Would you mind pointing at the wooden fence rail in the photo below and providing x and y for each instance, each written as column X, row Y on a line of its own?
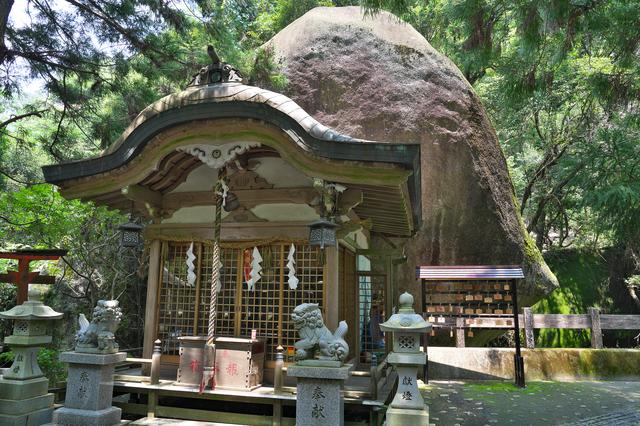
column 593, row 321
column 529, row 321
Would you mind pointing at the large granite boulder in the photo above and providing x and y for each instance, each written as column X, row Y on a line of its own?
column 379, row 79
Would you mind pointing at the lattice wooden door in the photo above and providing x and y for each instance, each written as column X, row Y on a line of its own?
column 184, row 309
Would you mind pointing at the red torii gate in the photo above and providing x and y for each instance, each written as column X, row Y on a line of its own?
column 23, row 277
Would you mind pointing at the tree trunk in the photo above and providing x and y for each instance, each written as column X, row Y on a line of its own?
column 634, row 296
column 5, row 9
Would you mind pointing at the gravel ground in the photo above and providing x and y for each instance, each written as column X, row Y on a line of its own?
column 540, row 403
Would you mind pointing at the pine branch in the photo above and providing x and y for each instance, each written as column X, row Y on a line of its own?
column 99, row 13
column 6, row 219
column 2, row 172
column 15, row 118
column 38, row 58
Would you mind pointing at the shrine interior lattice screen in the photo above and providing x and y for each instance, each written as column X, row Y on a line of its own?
column 238, row 311
column 371, row 302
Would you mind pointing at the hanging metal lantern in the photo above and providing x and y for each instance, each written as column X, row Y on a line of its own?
column 130, row 234
column 322, row 233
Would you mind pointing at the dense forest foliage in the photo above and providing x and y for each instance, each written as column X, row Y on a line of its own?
column 560, row 80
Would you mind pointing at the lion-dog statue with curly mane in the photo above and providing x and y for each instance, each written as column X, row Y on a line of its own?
column 97, row 336
column 315, row 335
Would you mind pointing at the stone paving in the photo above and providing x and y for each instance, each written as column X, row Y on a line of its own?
column 627, row 417
column 540, row 403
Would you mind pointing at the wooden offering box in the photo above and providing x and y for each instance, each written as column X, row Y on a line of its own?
column 239, row 362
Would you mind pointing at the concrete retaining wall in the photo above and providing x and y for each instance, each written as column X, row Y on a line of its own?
column 447, row 363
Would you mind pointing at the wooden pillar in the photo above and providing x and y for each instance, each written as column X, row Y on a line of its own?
column 394, row 284
column 528, row 328
column 153, row 286
column 332, row 294
column 391, row 303
column 23, row 280
column 390, row 290
column 596, row 328
column 460, row 332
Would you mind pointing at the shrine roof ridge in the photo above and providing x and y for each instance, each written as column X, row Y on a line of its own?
column 234, row 100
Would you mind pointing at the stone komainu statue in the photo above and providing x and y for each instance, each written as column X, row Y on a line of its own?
column 314, row 334
column 97, row 336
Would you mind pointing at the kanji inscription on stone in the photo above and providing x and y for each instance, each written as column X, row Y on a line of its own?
column 317, row 394
column 316, row 411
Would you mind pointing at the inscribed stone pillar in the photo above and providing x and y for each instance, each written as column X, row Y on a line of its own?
column 89, row 390
column 319, row 402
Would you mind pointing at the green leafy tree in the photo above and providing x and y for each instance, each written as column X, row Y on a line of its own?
column 561, row 82
column 80, row 51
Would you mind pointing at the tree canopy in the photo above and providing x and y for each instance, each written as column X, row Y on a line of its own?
column 560, row 80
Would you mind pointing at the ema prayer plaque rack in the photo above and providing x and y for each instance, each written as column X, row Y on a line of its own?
column 472, row 297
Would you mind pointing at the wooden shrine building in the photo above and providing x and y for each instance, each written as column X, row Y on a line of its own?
column 285, row 169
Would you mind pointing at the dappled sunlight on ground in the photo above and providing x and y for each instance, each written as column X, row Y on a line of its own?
column 540, row 403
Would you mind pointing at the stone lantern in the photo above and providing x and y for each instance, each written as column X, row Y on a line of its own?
column 23, row 388
column 408, row 407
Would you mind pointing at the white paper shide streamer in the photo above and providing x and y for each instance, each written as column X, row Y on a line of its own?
column 191, row 276
column 256, row 268
column 293, row 281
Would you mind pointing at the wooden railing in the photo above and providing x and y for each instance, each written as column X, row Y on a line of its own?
column 593, row 321
column 154, row 377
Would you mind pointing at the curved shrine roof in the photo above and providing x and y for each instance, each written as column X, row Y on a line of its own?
column 227, row 112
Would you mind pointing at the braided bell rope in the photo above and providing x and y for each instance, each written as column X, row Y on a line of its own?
column 215, row 274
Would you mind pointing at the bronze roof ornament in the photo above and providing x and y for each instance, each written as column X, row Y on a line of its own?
column 217, row 72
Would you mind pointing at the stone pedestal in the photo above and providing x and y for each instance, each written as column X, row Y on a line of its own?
column 89, row 390
column 408, row 407
column 24, row 400
column 319, row 402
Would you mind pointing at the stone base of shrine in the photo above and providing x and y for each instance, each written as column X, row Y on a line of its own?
column 404, row 417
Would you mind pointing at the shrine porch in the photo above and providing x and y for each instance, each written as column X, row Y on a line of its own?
column 265, row 405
